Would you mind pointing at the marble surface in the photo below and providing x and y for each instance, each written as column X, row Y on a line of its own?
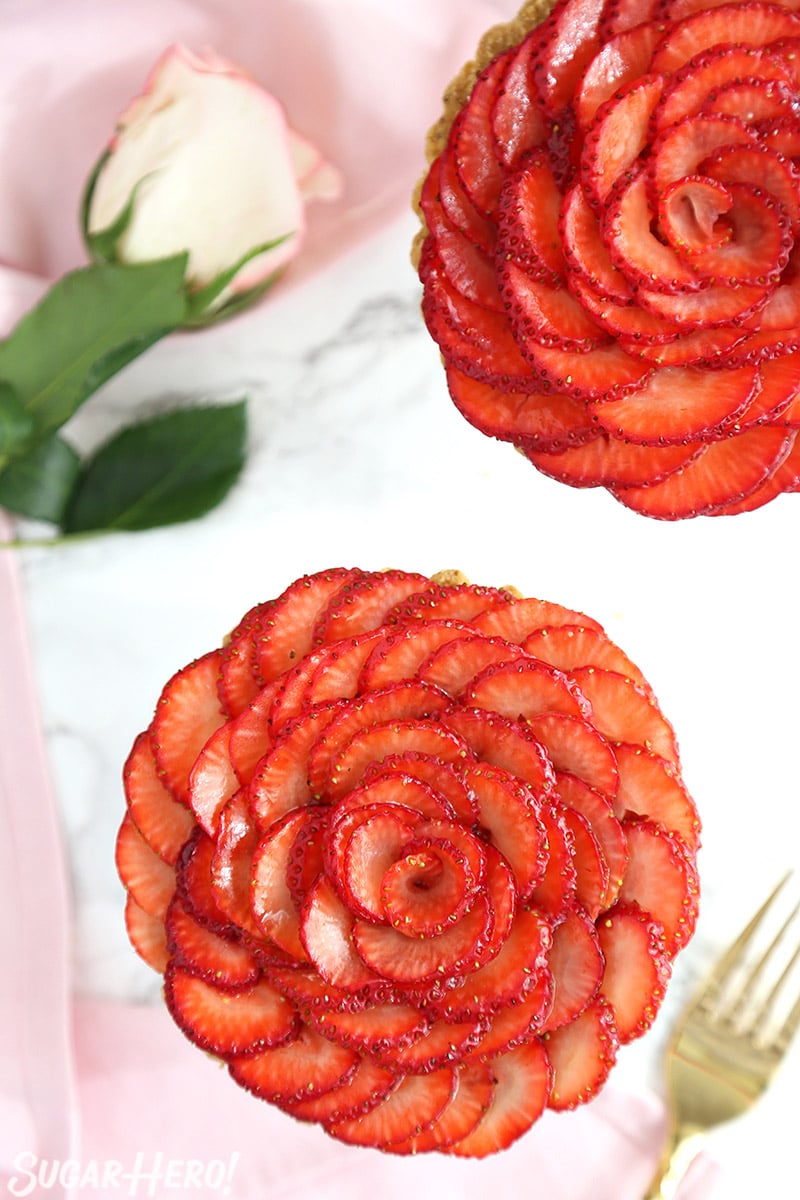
column 357, row 457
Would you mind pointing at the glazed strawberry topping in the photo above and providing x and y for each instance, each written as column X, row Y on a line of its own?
column 439, row 899
column 610, row 265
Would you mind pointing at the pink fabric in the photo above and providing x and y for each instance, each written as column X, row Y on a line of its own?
column 116, row 1087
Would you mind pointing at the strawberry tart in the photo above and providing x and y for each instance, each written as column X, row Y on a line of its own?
column 610, row 253
column 413, row 856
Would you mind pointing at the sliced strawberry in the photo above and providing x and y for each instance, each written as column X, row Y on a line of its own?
column 545, row 314
column 284, row 633
column 413, row 1106
column 379, row 1028
column 592, row 875
column 599, row 813
column 527, row 221
column 405, row 700
column 570, row 646
column 232, row 864
column 281, row 780
column 326, row 929
column 475, row 1088
column 516, row 1023
column 623, row 58
column 445, row 1044
column 457, row 206
column 273, row 905
column 518, row 124
column 428, row 889
column 576, row 964
column 252, row 732
column 566, row 41
column 636, row 251
column 785, row 479
column 147, row 936
column 397, row 737
column 661, row 878
column 378, row 837
column 501, row 742
column 697, row 347
column 398, row 656
column 162, row 821
column 338, row 668
column 187, row 713
column 518, row 620
column 508, row 816
column 623, row 711
column 677, row 405
column 308, row 1066
column 229, row 1021
column 509, row 976
column 688, row 88
column 754, row 24
column 448, row 602
column 439, row 780
column 364, row 604
column 472, row 141
column 212, row 780
column 649, row 786
column 285, row 698
column 237, row 684
column 589, row 261
column 575, row 746
column 149, row 880
column 313, row 996
column 413, row 960
column 195, row 883
column 606, row 461
column 557, row 887
column 581, row 1055
column 218, row 960
column 366, row 1087
column 761, row 99
column 726, row 472
column 522, row 1079
column 547, row 422
column 637, row 968
column 457, row 662
column 524, row 689
column 618, row 134
column 716, row 304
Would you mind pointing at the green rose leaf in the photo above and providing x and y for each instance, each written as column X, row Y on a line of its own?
column 41, row 484
column 15, row 424
column 89, row 325
column 172, row 468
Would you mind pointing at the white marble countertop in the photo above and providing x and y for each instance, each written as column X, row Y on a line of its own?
column 357, row 457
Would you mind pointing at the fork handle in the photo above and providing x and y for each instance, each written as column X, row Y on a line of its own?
column 682, row 1148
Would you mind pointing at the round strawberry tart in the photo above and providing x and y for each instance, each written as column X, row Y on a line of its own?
column 610, row 252
column 413, row 856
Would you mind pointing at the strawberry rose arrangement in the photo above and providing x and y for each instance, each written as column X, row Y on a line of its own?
column 414, row 857
column 610, row 251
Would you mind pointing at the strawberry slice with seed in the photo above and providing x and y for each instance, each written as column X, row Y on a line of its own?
column 448, row 602
column 753, row 25
column 212, row 780
column 517, row 1023
column 527, row 221
column 445, row 1043
column 473, row 146
column 467, row 268
column 637, row 968
column 326, row 929
column 377, row 839
column 438, row 778
column 237, row 684
column 621, row 710
column 522, row 1080
column 576, row 746
column 566, row 42
column 677, row 405
column 162, row 821
column 306, row 1067
column 461, row 1116
column 251, row 733
column 398, row 656
column 195, row 883
column 689, row 88
column 229, row 1021
column 598, row 811
column 147, row 936
column 576, row 964
column 413, row 960
column 232, row 864
column 508, row 815
column 586, row 253
column 363, row 605
column 427, row 889
column 568, row 647
column 459, row 209
column 338, row 668
column 592, row 374
column 413, row 1106
column 187, row 713
column 218, row 960
column 541, row 313
column 456, row 663
column 785, row 479
column 504, row 743
column 725, row 472
column 642, row 258
column 661, row 879
column 547, row 422
column 623, row 58
column 149, row 880
column 557, row 887
column 617, row 135
column 400, row 701
column 607, row 462
column 715, row 305
column 649, row 786
column 592, row 873
column 284, row 633
column 362, row 1091
column 395, row 737
column 581, row 1055
column 272, row 902
column 524, row 689
column 281, row 780
column 519, row 619
column 518, row 123
column 376, row 1029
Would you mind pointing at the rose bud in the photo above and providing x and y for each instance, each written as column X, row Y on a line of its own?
column 413, row 856
column 203, row 161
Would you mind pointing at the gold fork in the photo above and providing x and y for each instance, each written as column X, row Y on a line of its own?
column 725, row 1048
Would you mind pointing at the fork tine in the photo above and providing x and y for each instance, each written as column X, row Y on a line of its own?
column 792, row 1023
column 740, row 1004
column 726, row 966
